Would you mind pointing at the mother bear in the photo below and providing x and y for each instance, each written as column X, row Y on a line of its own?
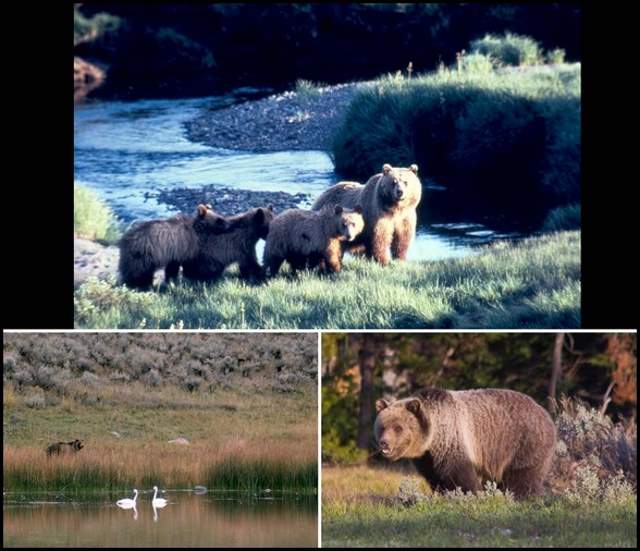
column 388, row 200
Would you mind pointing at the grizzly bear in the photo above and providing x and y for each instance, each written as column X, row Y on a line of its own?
column 311, row 238
column 389, row 200
column 153, row 244
column 64, row 447
column 464, row 438
column 235, row 244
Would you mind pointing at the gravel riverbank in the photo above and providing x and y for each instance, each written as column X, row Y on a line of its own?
column 293, row 120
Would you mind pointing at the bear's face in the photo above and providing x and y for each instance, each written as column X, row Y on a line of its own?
column 350, row 222
column 399, row 186
column 400, row 428
column 261, row 218
column 209, row 221
column 77, row 445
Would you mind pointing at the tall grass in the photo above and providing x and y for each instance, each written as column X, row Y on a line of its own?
column 92, row 218
column 509, row 49
column 111, row 467
column 533, row 283
column 507, row 139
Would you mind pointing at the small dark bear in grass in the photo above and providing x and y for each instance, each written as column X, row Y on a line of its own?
column 461, row 439
column 64, row 447
column 236, row 244
column 311, row 238
column 389, row 200
column 148, row 246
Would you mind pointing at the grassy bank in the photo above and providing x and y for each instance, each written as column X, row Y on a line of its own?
column 241, row 439
column 534, row 283
column 506, row 136
column 369, row 507
column 92, row 219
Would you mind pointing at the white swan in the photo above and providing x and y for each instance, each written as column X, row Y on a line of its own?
column 157, row 501
column 128, row 503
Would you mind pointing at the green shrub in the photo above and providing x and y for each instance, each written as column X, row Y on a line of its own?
column 511, row 139
column 509, row 49
column 92, row 218
column 563, row 218
column 477, row 63
column 556, row 56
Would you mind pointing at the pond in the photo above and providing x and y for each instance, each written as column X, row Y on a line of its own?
column 128, row 152
column 214, row 519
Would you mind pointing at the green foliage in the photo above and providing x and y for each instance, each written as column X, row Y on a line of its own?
column 509, row 138
column 556, row 56
column 509, row 49
column 532, row 283
column 477, row 63
column 258, row 475
column 563, row 218
column 92, row 218
column 90, row 28
column 339, row 411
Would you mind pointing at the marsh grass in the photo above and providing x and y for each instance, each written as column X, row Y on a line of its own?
column 238, row 440
column 532, row 283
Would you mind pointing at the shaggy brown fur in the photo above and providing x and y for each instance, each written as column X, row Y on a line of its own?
column 464, row 438
column 64, row 447
column 310, row 238
column 389, row 200
column 236, row 245
column 154, row 244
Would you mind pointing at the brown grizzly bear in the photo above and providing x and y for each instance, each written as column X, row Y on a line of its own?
column 464, row 438
column 64, row 447
column 309, row 238
column 153, row 244
column 389, row 200
column 236, row 244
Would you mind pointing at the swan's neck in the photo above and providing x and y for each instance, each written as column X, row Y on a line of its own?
column 155, row 493
column 135, row 495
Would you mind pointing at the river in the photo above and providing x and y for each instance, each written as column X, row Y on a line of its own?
column 130, row 151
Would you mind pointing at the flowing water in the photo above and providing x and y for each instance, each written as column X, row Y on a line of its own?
column 188, row 520
column 129, row 151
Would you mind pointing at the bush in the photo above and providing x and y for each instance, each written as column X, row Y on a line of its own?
column 509, row 140
column 563, row 218
column 556, row 56
column 509, row 49
column 92, row 218
column 595, row 457
column 477, row 63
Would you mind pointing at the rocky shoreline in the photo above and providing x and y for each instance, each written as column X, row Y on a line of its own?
column 300, row 120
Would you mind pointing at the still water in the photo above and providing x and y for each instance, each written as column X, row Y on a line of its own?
column 128, row 151
column 209, row 520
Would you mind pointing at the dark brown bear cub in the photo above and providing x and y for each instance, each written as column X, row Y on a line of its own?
column 64, row 447
column 236, row 244
column 154, row 244
column 461, row 439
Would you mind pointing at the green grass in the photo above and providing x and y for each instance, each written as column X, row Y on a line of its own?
column 509, row 137
column 481, row 523
column 563, row 218
column 534, row 283
column 509, row 49
column 92, row 219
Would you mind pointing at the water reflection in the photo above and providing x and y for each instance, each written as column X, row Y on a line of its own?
column 214, row 519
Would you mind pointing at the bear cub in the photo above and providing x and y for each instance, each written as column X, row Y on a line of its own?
column 305, row 238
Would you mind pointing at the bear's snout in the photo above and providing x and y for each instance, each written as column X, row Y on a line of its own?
column 384, row 447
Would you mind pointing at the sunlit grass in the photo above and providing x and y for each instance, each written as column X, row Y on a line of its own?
column 534, row 283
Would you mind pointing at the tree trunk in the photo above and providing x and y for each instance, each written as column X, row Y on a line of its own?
column 556, row 368
column 367, row 361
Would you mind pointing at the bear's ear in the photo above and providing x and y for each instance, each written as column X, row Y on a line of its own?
column 358, row 209
column 202, row 210
column 414, row 168
column 413, row 406
column 258, row 217
column 208, row 205
column 338, row 209
column 386, row 168
column 381, row 404
column 270, row 207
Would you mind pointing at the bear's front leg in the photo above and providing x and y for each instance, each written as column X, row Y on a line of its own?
column 380, row 242
column 333, row 257
column 403, row 235
column 250, row 269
